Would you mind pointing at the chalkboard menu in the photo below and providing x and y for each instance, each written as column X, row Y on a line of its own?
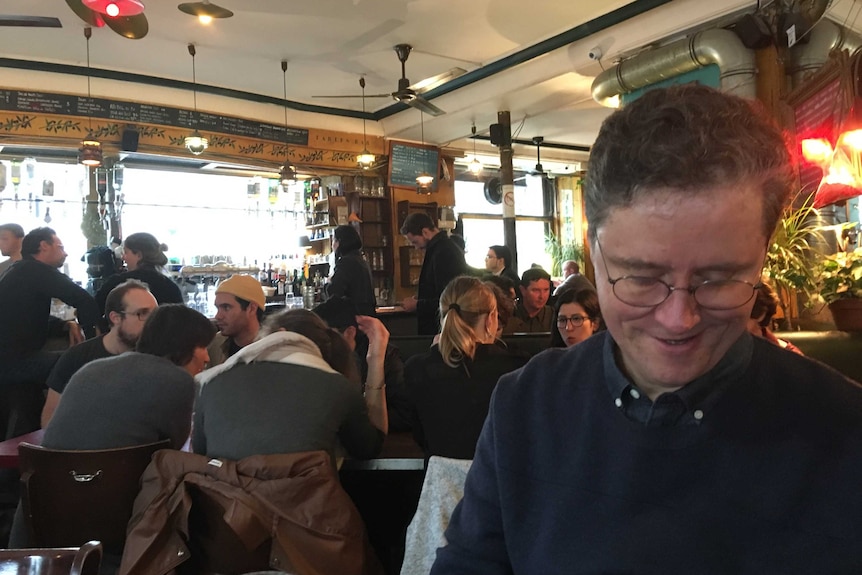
column 406, row 161
column 130, row 112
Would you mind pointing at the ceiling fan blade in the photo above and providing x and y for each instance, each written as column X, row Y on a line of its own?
column 131, row 27
column 91, row 17
column 31, row 21
column 425, row 106
column 355, row 96
column 359, row 42
column 430, row 83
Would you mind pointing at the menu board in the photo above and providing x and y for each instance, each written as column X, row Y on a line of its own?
column 406, row 161
column 131, row 112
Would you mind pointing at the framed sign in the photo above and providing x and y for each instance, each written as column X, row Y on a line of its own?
column 406, row 161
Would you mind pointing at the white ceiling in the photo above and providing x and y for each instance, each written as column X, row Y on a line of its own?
column 330, row 43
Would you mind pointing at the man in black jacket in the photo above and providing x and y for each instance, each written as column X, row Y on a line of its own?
column 26, row 291
column 443, row 261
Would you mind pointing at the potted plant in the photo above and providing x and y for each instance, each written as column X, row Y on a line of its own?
column 561, row 252
column 840, row 287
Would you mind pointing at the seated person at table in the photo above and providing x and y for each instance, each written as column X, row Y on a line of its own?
column 145, row 261
column 450, row 386
column 577, row 317
column 765, row 306
column 340, row 314
column 532, row 314
column 127, row 308
column 240, row 304
column 295, row 389
column 140, row 396
column 505, row 299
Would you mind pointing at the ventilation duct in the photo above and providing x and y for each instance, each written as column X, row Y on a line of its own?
column 715, row 46
column 806, row 58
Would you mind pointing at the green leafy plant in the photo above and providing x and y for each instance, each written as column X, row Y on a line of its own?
column 791, row 260
column 560, row 252
column 840, row 276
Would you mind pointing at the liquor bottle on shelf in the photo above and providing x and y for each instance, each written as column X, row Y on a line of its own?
column 280, row 283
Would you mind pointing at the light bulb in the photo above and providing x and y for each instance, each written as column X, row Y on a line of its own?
column 112, row 10
column 196, row 143
column 205, row 19
column 475, row 166
column 365, row 159
column 424, row 179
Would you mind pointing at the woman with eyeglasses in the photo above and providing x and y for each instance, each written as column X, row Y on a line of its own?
column 450, row 385
column 577, row 316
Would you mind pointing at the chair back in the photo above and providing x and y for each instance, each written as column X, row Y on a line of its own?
column 82, row 560
column 70, row 497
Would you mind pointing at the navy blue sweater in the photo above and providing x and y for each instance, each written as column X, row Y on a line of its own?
column 563, row 482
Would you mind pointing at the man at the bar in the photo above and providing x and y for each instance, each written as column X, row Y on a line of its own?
column 676, row 441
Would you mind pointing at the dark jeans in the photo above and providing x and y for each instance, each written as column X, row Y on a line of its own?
column 22, row 392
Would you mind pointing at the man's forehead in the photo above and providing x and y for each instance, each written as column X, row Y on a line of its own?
column 539, row 284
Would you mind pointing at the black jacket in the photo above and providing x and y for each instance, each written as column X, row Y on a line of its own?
column 443, row 261
column 352, row 279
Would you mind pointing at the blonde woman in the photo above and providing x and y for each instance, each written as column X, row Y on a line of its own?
column 450, row 386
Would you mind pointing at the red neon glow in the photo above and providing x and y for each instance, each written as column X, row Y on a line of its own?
column 817, row 151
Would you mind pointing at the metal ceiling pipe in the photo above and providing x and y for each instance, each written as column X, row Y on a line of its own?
column 825, row 36
column 716, row 46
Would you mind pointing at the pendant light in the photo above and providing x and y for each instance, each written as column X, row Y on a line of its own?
column 90, row 152
column 287, row 174
column 366, row 158
column 423, row 180
column 115, row 8
column 475, row 166
column 195, row 143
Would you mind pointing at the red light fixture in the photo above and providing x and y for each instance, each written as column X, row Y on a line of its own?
column 115, row 8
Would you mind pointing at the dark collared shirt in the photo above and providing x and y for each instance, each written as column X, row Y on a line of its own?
column 521, row 322
column 686, row 406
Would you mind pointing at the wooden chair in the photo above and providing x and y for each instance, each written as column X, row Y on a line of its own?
column 70, row 497
column 82, row 560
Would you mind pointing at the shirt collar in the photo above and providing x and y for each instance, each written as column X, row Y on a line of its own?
column 696, row 399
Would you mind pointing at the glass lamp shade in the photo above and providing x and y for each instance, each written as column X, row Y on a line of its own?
column 90, row 153
column 475, row 167
column 424, row 179
column 195, row 143
column 365, row 159
column 115, row 8
column 287, row 174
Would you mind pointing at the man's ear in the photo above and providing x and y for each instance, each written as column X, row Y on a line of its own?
column 114, row 318
column 252, row 308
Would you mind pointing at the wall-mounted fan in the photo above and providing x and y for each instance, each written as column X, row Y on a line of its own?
column 411, row 94
column 493, row 190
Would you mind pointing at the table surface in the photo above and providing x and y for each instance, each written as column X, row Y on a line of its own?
column 399, row 452
column 9, row 448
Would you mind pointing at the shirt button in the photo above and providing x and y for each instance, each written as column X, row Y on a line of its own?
column 618, row 402
column 634, row 393
column 698, row 414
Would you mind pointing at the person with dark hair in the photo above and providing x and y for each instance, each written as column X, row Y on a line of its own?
column 26, row 291
column 11, row 236
column 450, row 385
column 577, row 316
column 351, row 277
column 139, row 396
column 532, row 313
column 127, row 308
column 340, row 314
column 674, row 441
column 145, row 261
column 443, row 262
column 765, row 306
column 240, row 306
column 295, row 389
column 498, row 261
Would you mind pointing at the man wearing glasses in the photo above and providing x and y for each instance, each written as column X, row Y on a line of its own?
column 127, row 307
column 674, row 442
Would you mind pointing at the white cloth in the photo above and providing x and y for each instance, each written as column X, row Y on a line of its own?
column 441, row 491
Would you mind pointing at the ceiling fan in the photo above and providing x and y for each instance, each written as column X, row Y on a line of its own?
column 538, row 170
column 132, row 27
column 411, row 94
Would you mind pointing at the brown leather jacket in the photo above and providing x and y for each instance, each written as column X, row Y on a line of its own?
column 290, row 507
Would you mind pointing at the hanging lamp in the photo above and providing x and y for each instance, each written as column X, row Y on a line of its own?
column 115, row 8
column 424, row 179
column 287, row 174
column 195, row 143
column 366, row 158
column 475, row 166
column 90, row 152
